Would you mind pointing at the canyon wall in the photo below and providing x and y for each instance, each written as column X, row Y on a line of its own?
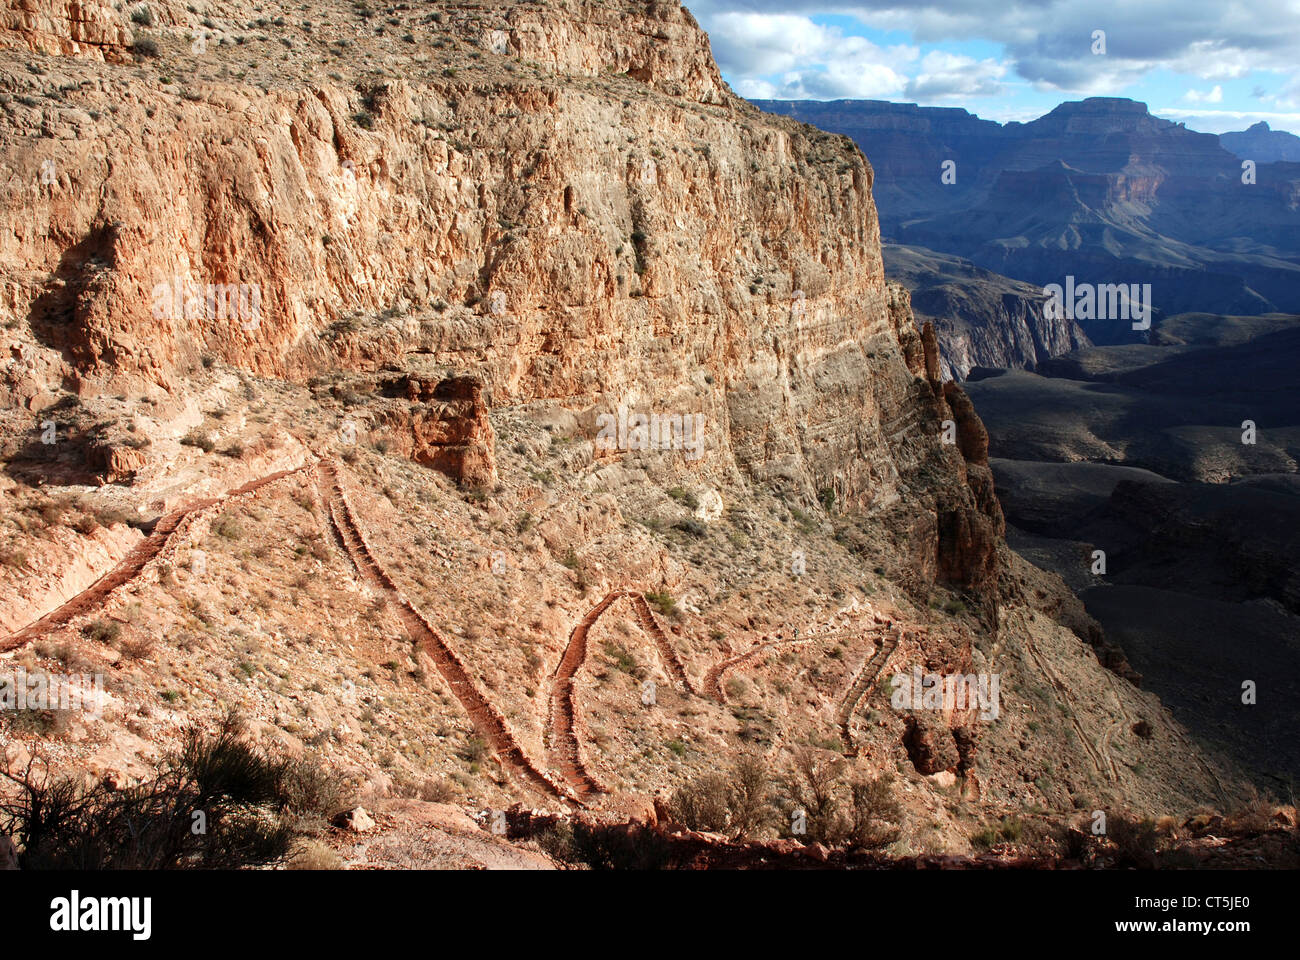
column 583, row 215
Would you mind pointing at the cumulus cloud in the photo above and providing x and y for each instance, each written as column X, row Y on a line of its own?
column 812, row 61
column 1214, row 95
column 945, row 76
column 1047, row 43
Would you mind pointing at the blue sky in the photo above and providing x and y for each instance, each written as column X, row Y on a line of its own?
column 1218, row 65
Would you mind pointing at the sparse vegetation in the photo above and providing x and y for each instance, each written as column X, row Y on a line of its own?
column 252, row 807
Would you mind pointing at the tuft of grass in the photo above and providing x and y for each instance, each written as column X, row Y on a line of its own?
column 101, row 631
column 663, row 602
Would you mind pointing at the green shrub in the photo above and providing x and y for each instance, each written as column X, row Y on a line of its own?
column 663, row 602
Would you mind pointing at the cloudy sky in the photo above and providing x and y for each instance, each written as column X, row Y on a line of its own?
column 1217, row 64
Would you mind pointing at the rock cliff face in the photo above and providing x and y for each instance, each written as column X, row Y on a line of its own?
column 981, row 319
column 649, row 241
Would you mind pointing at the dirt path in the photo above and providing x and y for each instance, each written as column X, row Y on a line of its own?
column 862, row 685
column 1102, row 765
column 490, row 721
column 132, row 565
column 713, row 679
column 646, row 618
column 564, row 748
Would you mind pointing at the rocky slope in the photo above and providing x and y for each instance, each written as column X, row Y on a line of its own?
column 981, row 319
column 1191, row 494
column 354, row 319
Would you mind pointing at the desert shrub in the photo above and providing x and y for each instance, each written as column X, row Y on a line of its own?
column 438, row 790
column 249, row 802
column 736, row 804
column 812, row 784
column 683, row 496
column 691, row 526
column 228, row 528
column 703, row 804
column 102, row 631
column 476, row 749
column 1007, row 830
column 144, row 47
column 628, row 846
column 1252, row 815
column 663, row 602
column 623, row 659
column 309, row 792
column 197, row 438
column 556, row 840
column 142, row 16
column 1134, row 840
column 876, row 815
column 314, row 855
column 48, row 724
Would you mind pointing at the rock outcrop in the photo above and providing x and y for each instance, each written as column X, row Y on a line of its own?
column 445, row 426
column 981, row 319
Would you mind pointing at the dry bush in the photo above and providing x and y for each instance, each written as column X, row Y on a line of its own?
column 812, row 784
column 876, row 816
column 1134, row 840
column 736, row 804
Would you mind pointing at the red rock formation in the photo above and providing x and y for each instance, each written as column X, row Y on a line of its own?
column 446, row 427
column 115, row 462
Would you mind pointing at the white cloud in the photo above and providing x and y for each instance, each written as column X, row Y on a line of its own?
column 953, row 76
column 1215, row 95
column 812, row 61
column 1046, row 42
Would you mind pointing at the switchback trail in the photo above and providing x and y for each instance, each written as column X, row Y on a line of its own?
column 132, row 565
column 863, row 684
column 565, row 751
column 714, row 678
column 650, row 625
column 1097, row 761
column 485, row 716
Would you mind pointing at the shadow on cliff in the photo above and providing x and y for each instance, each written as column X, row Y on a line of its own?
column 59, row 316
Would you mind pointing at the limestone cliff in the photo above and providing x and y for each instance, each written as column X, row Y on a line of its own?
column 585, row 216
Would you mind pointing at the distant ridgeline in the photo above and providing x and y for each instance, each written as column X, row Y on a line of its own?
column 1098, row 189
